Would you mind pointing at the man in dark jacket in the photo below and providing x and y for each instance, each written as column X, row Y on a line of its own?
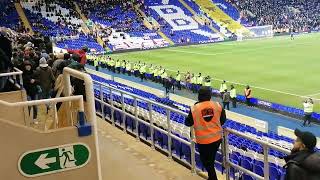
column 30, row 85
column 46, row 79
column 303, row 163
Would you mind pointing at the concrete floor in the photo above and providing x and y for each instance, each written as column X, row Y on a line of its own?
column 123, row 157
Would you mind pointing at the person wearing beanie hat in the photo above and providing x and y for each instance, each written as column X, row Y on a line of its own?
column 43, row 62
column 304, row 162
column 207, row 118
column 45, row 77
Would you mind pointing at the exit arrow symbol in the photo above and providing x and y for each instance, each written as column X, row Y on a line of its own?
column 42, row 162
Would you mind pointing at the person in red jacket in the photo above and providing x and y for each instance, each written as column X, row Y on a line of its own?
column 82, row 53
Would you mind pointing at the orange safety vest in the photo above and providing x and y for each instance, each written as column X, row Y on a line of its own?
column 207, row 132
column 246, row 92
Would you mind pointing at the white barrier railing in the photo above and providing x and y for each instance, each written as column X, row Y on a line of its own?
column 111, row 104
column 121, row 107
column 14, row 74
column 90, row 106
column 266, row 146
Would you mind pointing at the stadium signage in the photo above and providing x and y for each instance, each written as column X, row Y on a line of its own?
column 264, row 103
column 55, row 159
column 178, row 20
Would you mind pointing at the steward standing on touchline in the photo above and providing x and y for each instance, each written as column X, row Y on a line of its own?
column 207, row 118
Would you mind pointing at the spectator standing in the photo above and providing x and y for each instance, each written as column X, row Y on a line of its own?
column 30, row 85
column 207, row 117
column 82, row 53
column 248, row 95
column 308, row 110
column 45, row 77
column 303, row 163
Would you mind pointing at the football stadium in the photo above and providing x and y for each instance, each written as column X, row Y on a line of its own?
column 160, row 89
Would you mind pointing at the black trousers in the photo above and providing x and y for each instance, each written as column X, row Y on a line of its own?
column 248, row 100
column 97, row 68
column 207, row 156
column 307, row 119
column 142, row 76
column 226, row 104
column 234, row 102
column 178, row 84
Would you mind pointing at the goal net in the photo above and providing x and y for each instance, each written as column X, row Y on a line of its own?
column 259, row 32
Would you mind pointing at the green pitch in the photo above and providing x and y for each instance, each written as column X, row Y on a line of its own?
column 278, row 69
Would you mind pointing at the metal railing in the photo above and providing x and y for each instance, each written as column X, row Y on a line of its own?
column 266, row 147
column 14, row 74
column 87, row 106
column 115, row 106
column 150, row 124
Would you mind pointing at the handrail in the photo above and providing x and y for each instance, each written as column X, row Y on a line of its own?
column 142, row 98
column 18, row 72
column 169, row 109
column 44, row 101
column 266, row 146
column 191, row 143
column 90, row 104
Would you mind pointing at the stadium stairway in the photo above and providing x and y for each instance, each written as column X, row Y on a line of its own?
column 148, row 25
column 197, row 18
column 86, row 28
column 119, row 151
column 23, row 17
column 274, row 120
column 220, row 17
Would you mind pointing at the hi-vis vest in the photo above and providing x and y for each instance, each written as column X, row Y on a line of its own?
column 233, row 93
column 207, row 132
column 208, row 84
column 308, row 107
column 223, row 87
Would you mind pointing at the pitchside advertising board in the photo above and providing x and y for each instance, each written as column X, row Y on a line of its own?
column 55, row 159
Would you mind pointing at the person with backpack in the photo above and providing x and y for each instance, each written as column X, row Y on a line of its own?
column 304, row 162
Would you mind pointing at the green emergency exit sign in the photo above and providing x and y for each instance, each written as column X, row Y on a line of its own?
column 54, row 159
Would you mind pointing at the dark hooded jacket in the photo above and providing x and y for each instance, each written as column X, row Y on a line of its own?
column 303, row 165
column 31, row 88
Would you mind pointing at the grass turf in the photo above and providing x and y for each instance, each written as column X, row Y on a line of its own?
column 279, row 64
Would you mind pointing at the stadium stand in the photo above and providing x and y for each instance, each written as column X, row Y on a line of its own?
column 177, row 22
column 302, row 16
column 243, row 152
column 120, row 27
column 9, row 17
column 59, row 20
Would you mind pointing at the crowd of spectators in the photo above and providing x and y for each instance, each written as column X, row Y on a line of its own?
column 284, row 15
column 64, row 21
column 42, row 70
column 112, row 15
